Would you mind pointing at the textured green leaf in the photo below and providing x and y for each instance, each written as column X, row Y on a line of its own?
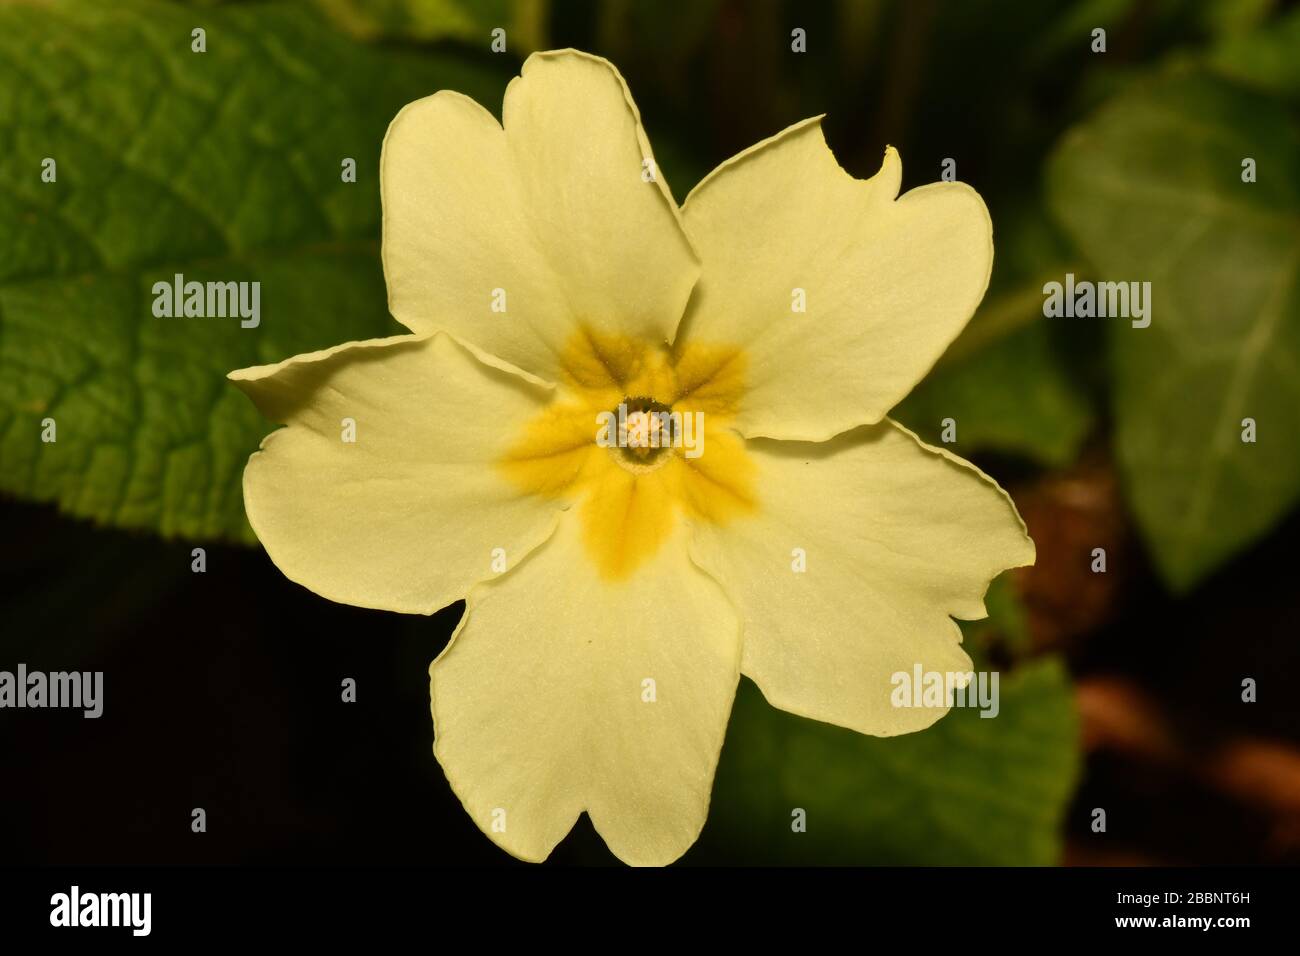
column 1151, row 190
column 967, row 791
column 223, row 165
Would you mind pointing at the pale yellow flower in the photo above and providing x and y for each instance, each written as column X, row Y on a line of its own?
column 614, row 596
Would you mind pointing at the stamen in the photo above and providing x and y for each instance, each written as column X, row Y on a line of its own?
column 647, row 433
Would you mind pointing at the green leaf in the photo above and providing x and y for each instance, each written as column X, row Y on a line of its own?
column 1010, row 381
column 1005, row 387
column 1267, row 58
column 224, row 165
column 1006, row 627
column 967, row 791
column 1151, row 190
column 1225, row 18
column 470, row 21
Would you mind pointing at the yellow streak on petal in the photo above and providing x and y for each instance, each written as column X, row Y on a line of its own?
column 595, row 361
column 710, row 379
column 627, row 515
column 719, row 485
column 556, row 450
column 625, row 519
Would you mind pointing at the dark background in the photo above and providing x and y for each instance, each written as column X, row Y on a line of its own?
column 222, row 691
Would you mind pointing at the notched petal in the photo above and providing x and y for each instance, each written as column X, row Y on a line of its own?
column 843, row 292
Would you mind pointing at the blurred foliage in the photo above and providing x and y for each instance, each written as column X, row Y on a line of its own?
column 1048, row 414
column 1123, row 165
column 1152, row 188
column 1267, row 58
column 470, row 21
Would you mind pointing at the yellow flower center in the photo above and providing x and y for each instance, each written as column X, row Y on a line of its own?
column 640, row 436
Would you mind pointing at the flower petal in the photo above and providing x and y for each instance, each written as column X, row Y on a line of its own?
column 887, row 283
column 896, row 537
column 540, row 709
column 552, row 211
column 408, row 515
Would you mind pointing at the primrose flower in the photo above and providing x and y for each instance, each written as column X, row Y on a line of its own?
column 648, row 445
